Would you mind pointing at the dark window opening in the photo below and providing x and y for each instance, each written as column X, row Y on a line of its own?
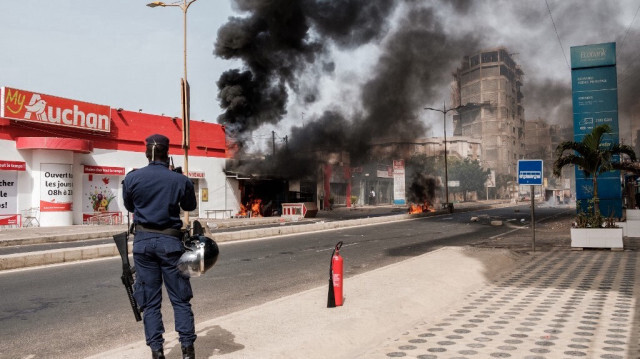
column 475, row 60
column 491, row 56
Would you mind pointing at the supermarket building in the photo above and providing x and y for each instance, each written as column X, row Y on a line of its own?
column 62, row 161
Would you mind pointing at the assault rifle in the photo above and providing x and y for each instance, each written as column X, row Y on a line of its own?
column 121, row 240
column 174, row 168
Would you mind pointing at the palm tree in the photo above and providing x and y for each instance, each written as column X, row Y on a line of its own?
column 594, row 158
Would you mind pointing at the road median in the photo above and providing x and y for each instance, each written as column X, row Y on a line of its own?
column 87, row 252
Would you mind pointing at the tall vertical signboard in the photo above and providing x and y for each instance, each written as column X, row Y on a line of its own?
column 398, row 182
column 595, row 102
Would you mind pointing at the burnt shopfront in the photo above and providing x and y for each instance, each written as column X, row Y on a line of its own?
column 376, row 177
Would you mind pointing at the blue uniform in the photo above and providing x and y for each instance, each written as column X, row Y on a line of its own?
column 155, row 195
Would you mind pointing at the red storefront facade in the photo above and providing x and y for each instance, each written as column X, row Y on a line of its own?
column 65, row 158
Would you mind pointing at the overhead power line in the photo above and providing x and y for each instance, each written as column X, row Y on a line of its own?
column 629, row 27
column 556, row 30
column 621, row 77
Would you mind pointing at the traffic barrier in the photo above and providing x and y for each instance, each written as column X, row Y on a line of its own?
column 297, row 211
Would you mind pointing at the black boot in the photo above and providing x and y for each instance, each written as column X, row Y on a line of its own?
column 188, row 352
column 157, row 354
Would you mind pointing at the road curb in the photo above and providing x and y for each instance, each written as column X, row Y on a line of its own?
column 56, row 256
column 55, row 238
column 65, row 255
column 305, row 228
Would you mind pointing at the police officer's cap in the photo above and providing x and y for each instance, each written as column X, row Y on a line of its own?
column 158, row 139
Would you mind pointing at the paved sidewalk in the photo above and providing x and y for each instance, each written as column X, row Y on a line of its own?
column 560, row 305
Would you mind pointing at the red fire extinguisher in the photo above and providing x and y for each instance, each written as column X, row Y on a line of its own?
column 336, row 274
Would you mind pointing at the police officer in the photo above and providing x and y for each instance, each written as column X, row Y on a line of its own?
column 155, row 195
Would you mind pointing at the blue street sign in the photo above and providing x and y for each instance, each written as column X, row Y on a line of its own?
column 530, row 172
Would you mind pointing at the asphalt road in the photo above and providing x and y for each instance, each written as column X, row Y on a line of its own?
column 74, row 310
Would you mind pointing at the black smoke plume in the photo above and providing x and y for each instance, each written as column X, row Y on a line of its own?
column 280, row 43
column 281, row 40
column 422, row 189
column 277, row 41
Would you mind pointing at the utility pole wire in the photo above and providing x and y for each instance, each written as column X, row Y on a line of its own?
column 624, row 79
column 629, row 27
column 556, row 30
column 622, row 44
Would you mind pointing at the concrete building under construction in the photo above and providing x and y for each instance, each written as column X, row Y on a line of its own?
column 488, row 84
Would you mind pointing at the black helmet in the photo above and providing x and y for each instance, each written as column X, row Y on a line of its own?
column 200, row 255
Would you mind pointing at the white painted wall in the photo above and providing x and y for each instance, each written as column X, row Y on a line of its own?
column 215, row 181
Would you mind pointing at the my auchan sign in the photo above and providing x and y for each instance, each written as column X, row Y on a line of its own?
column 29, row 106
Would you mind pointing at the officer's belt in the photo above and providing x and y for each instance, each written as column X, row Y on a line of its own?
column 168, row 231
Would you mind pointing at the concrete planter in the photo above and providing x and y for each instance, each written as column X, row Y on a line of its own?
column 622, row 225
column 632, row 227
column 596, row 238
column 633, row 214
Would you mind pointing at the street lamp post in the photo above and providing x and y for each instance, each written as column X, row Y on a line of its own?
column 444, row 112
column 184, row 88
column 446, row 173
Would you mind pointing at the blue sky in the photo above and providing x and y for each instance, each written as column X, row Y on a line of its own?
column 119, row 53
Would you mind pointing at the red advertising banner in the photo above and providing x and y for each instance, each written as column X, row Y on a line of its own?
column 29, row 106
column 102, row 170
column 10, row 220
column 55, row 207
column 398, row 165
column 196, row 174
column 13, row 166
column 102, row 218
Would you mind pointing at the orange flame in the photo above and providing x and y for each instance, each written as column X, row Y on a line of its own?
column 413, row 209
column 256, row 208
column 252, row 209
column 242, row 212
column 416, row 208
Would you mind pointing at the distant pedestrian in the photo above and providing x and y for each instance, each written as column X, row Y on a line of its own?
column 372, row 197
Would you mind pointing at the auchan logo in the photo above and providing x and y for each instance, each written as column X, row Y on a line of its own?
column 35, row 107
